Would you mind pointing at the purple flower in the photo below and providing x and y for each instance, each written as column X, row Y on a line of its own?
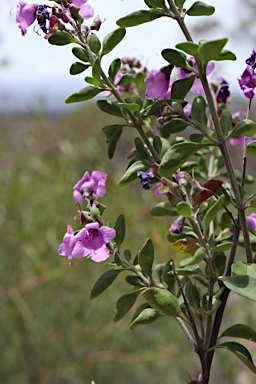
column 251, row 61
column 66, row 248
column 86, row 11
column 177, row 225
column 25, row 15
column 251, row 221
column 247, row 82
column 158, row 82
column 197, row 87
column 222, row 92
column 145, row 178
column 93, row 186
column 42, row 15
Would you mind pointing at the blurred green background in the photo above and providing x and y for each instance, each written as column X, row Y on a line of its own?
column 50, row 331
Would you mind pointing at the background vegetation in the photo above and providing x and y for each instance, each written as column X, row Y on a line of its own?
column 50, row 331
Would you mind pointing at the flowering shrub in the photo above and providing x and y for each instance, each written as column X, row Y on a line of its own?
column 205, row 199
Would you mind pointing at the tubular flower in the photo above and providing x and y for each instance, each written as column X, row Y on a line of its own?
column 25, row 15
column 93, row 186
column 251, row 221
column 197, row 87
column 86, row 11
column 145, row 178
column 158, row 82
column 247, row 82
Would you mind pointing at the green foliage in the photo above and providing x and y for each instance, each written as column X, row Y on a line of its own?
column 241, row 352
column 241, row 331
column 120, row 230
column 198, row 111
column 84, row 94
column 61, row 38
column 245, row 127
column 210, row 50
column 200, row 9
column 243, row 285
column 146, row 316
column 131, row 173
column 175, row 57
column 146, row 258
column 77, row 68
column 181, row 87
column 124, row 304
column 138, row 17
column 112, row 135
column 110, row 107
column 112, row 40
column 94, row 43
column 104, row 282
column 81, row 54
column 164, row 302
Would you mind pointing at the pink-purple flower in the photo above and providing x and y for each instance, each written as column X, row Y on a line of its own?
column 90, row 241
column 85, row 10
column 197, row 87
column 158, row 82
column 25, row 15
column 93, row 186
column 177, row 225
column 251, row 221
column 247, row 82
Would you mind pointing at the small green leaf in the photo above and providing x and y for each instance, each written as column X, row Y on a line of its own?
column 213, row 211
column 175, row 57
column 226, row 55
column 112, row 136
column 81, row 54
column 240, row 351
column 251, row 148
column 146, row 316
column 94, row 43
column 226, row 122
column 198, row 256
column 222, row 247
column 184, row 209
column 131, row 173
column 114, row 68
column 240, row 330
column 200, row 9
column 77, row 68
column 243, row 285
column 240, row 268
column 112, row 40
column 124, row 304
column 181, row 87
column 84, row 94
column 138, row 17
column 146, row 258
column 175, row 125
column 141, row 149
column 168, row 276
column 120, row 230
column 198, row 111
column 134, row 280
column 126, row 79
column 104, row 282
column 189, row 47
column 61, row 38
column 130, row 106
column 245, row 127
column 157, row 144
column 110, row 107
column 176, row 156
column 155, row 3
column 163, row 209
column 190, row 270
column 210, row 50
column 163, row 301
column 96, row 70
column 192, row 294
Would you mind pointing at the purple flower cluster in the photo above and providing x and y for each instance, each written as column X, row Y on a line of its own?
column 92, row 239
column 158, row 82
column 247, row 81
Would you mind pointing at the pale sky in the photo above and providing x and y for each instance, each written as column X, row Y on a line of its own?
column 37, row 68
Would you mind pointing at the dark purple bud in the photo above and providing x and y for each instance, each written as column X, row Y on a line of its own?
column 96, row 24
column 145, row 178
column 222, row 92
column 42, row 15
column 177, row 225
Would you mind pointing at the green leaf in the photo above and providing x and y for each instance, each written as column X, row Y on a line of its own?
column 176, row 156
column 198, row 111
column 163, row 301
column 94, row 43
column 104, row 282
column 138, row 17
column 96, row 70
column 245, row 127
column 226, row 55
column 163, row 209
column 146, row 258
column 114, row 68
column 181, row 87
column 226, row 122
column 134, row 280
column 251, row 148
column 130, row 106
column 192, row 294
column 199, row 255
column 175, row 125
column 84, row 94
column 146, row 316
column 184, row 209
column 243, row 285
column 190, row 270
column 175, row 57
column 168, row 276
column 131, row 173
column 141, row 149
column 157, row 144
column 120, row 230
column 61, row 38
column 112, row 40
column 240, row 351
column 126, row 79
column 240, row 330
column 112, row 136
column 240, row 268
column 213, row 211
column 77, row 68
column 210, row 50
column 155, row 3
column 81, row 54
column 124, row 304
column 222, row 247
column 200, row 9
column 110, row 107
column 189, row 47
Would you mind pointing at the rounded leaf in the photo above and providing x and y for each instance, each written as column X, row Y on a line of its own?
column 163, row 301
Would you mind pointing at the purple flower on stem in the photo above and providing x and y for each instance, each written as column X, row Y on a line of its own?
column 86, row 11
column 247, row 82
column 197, row 87
column 90, row 241
column 177, row 225
column 93, row 186
column 158, row 82
column 145, row 178
column 251, row 61
column 25, row 15
column 222, row 92
column 251, row 221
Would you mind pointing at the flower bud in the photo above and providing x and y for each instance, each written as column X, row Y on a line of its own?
column 177, row 225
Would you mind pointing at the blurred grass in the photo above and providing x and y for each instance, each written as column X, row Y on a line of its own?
column 50, row 331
